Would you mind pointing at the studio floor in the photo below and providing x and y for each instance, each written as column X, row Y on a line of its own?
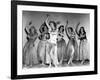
column 64, row 64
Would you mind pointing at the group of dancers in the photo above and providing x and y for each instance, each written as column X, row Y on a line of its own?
column 52, row 49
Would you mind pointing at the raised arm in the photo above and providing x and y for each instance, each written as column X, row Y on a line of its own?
column 46, row 21
column 27, row 28
column 77, row 26
column 26, row 31
column 66, row 26
column 66, row 29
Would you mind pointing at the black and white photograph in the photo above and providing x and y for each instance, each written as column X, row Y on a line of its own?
column 53, row 39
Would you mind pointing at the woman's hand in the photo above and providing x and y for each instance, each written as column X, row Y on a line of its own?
column 47, row 15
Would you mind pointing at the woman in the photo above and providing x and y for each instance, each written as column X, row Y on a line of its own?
column 29, row 53
column 83, row 52
column 72, row 46
column 44, row 46
column 61, row 44
column 42, row 43
column 53, row 40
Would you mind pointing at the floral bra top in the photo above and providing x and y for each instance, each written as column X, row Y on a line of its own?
column 53, row 37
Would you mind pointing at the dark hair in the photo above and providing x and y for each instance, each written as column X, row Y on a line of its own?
column 32, row 27
column 61, row 30
column 44, row 28
column 53, row 24
column 83, row 30
column 30, row 32
column 70, row 29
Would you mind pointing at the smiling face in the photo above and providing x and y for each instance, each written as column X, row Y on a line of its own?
column 70, row 30
column 43, row 28
column 82, row 30
column 52, row 25
column 32, row 30
column 61, row 29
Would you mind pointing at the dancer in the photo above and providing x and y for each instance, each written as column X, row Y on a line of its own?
column 29, row 53
column 44, row 46
column 41, row 50
column 61, row 44
column 83, row 52
column 72, row 46
column 53, row 40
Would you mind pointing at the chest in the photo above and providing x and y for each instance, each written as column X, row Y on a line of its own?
column 53, row 37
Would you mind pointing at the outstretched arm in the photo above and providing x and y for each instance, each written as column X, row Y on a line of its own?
column 27, row 31
column 66, row 29
column 27, row 28
column 46, row 21
column 66, row 26
column 77, row 26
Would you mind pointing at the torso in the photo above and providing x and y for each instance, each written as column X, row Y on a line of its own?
column 53, row 37
column 82, row 37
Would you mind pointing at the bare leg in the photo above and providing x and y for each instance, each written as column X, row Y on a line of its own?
column 82, row 57
column 72, row 53
column 55, row 56
column 51, row 57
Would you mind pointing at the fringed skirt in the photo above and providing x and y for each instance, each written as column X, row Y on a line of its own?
column 83, row 50
column 61, row 49
column 29, row 54
column 72, row 43
column 43, row 52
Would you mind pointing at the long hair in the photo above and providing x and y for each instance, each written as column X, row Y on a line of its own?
column 61, row 29
column 80, row 32
column 54, row 23
column 43, row 28
column 35, row 31
column 70, row 28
